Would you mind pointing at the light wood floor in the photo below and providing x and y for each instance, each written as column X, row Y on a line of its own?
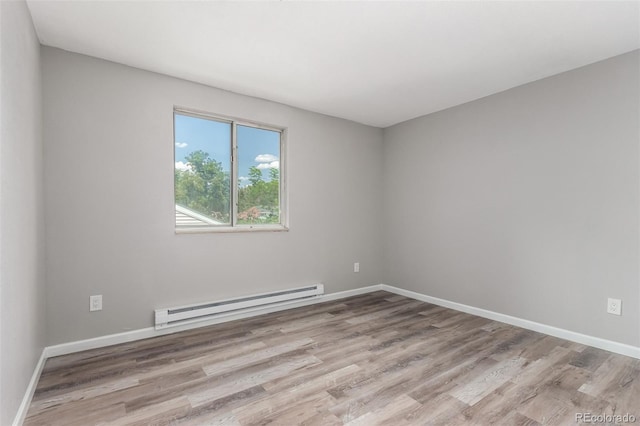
column 372, row 359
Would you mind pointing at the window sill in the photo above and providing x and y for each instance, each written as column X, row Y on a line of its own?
column 232, row 229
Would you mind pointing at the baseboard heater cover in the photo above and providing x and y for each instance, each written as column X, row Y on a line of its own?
column 168, row 317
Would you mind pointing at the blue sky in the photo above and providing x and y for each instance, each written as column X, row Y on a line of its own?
column 256, row 147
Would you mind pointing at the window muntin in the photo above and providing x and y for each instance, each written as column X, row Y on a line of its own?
column 228, row 174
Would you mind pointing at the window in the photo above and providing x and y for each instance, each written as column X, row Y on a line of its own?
column 228, row 174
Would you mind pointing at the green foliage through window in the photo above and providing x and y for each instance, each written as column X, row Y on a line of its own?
column 204, row 187
column 259, row 202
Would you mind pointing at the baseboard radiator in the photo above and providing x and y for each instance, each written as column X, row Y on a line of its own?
column 205, row 311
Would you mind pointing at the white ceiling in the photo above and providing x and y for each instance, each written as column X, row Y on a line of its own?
column 377, row 63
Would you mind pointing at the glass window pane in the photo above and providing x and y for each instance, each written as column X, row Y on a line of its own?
column 258, row 175
column 202, row 172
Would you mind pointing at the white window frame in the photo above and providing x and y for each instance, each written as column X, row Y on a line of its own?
column 234, row 226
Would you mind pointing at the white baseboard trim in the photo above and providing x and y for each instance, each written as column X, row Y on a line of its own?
column 31, row 388
column 607, row 345
column 145, row 333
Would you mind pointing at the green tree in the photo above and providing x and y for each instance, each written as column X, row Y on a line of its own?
column 204, row 187
column 273, row 190
column 259, row 202
column 255, row 176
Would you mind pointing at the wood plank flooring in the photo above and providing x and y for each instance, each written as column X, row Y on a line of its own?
column 373, row 359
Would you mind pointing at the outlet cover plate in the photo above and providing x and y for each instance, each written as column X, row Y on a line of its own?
column 614, row 306
column 95, row 303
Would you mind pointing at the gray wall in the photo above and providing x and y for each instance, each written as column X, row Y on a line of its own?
column 22, row 317
column 110, row 208
column 525, row 202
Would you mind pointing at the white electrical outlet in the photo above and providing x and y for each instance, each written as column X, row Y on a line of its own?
column 614, row 306
column 356, row 267
column 95, row 303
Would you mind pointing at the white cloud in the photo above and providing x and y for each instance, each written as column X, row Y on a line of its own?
column 271, row 165
column 266, row 158
column 243, row 178
column 182, row 166
column 181, row 144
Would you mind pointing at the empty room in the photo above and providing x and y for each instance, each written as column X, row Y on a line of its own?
column 319, row 213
